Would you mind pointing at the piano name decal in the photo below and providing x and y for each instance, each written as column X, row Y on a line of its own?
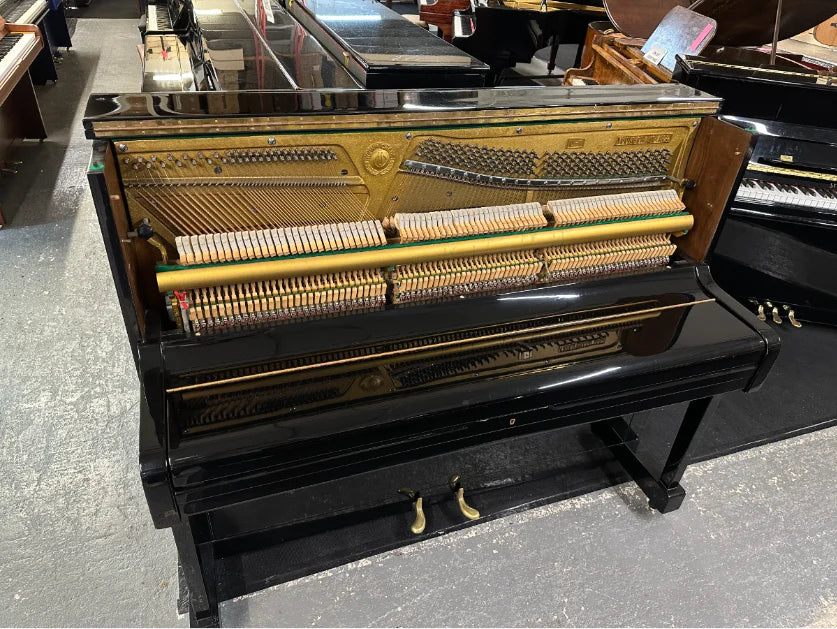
column 633, row 140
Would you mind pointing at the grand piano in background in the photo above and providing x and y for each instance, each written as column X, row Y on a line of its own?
column 20, row 115
column 503, row 33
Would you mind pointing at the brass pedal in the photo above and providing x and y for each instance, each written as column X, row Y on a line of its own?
column 760, row 307
column 467, row 510
column 792, row 316
column 418, row 525
column 775, row 312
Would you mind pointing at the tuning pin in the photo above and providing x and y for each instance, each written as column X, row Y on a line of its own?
column 792, row 316
column 417, row 527
column 457, row 489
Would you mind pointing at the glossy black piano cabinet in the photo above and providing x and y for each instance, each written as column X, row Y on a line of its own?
column 266, row 471
column 237, row 498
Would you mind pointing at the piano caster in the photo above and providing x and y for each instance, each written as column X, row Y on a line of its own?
column 418, row 525
column 792, row 316
column 467, row 510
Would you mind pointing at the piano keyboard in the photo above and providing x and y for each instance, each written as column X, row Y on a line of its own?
column 158, row 19
column 23, row 11
column 14, row 47
column 8, row 42
column 762, row 191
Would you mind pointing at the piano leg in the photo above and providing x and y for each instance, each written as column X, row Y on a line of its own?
column 198, row 564
column 664, row 492
column 43, row 68
column 55, row 29
column 20, row 118
column 553, row 53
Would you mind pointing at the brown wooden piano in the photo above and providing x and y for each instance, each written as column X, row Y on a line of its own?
column 20, row 116
column 440, row 13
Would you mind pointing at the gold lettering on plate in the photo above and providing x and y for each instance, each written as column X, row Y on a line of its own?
column 654, row 138
column 575, row 143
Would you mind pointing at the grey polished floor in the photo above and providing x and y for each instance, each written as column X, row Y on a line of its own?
column 753, row 544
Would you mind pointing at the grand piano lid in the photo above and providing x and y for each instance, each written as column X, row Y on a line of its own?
column 378, row 39
column 432, row 106
column 263, row 52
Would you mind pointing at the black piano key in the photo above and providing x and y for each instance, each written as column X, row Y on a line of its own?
column 8, row 42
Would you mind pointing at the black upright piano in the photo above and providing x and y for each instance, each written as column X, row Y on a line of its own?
column 361, row 318
column 778, row 249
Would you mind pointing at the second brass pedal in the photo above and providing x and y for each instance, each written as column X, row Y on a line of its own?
column 467, row 510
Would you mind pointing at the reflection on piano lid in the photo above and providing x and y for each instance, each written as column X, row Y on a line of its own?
column 167, row 65
column 23, row 11
column 167, row 16
column 362, row 374
column 236, row 54
column 302, row 56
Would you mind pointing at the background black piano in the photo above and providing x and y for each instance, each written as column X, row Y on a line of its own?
column 503, row 34
column 778, row 244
